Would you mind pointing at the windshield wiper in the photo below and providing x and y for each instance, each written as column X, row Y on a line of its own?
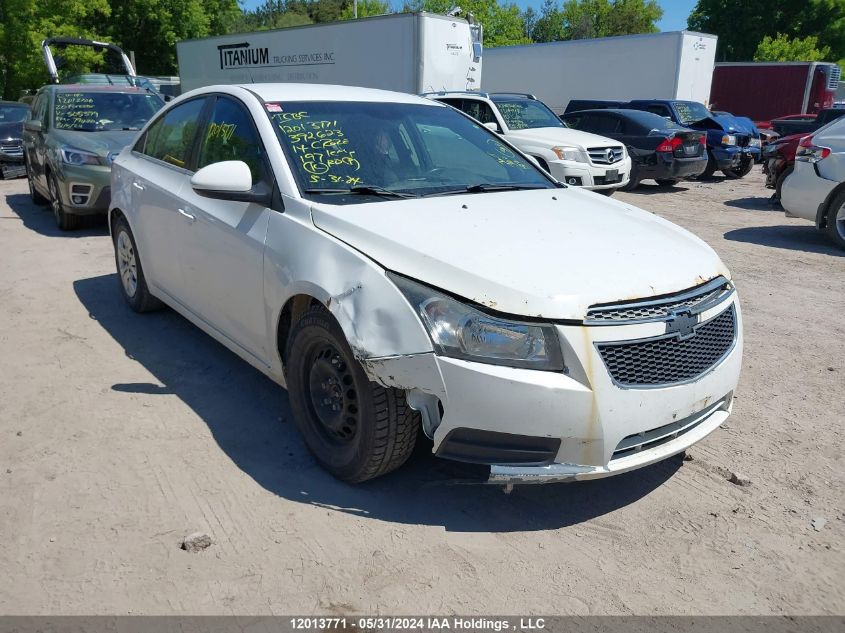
column 485, row 187
column 363, row 190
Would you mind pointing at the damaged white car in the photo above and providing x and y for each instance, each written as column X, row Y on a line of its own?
column 398, row 266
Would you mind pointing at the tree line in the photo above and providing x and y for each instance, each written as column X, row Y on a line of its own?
column 779, row 30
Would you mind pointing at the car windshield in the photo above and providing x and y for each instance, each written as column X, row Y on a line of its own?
column 690, row 111
column 523, row 114
column 13, row 114
column 97, row 111
column 348, row 152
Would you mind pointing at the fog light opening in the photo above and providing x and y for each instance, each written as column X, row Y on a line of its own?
column 573, row 180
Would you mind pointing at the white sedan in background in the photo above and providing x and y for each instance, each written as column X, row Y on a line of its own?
column 815, row 190
column 399, row 267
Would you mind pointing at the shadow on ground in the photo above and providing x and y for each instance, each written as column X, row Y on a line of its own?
column 796, row 238
column 250, row 418
column 754, row 203
column 40, row 219
column 649, row 188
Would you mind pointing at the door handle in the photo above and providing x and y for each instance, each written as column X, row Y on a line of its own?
column 137, row 186
column 190, row 217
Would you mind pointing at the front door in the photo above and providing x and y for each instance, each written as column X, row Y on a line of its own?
column 223, row 259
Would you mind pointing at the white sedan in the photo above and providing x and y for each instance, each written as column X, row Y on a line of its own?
column 815, row 190
column 397, row 266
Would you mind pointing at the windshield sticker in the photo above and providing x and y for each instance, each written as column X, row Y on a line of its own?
column 321, row 147
column 273, row 107
column 505, row 156
column 75, row 110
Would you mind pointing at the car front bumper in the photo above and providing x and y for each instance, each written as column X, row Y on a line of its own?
column 11, row 159
column 731, row 157
column 538, row 426
column 591, row 176
column 85, row 190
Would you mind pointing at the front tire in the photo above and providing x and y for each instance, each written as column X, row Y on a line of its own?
column 742, row 171
column 64, row 220
column 356, row 429
column 666, row 182
column 782, row 179
column 130, row 274
column 836, row 220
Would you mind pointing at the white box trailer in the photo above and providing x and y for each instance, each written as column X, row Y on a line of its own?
column 672, row 65
column 407, row 52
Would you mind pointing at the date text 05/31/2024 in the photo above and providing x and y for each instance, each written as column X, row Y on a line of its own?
column 385, row 623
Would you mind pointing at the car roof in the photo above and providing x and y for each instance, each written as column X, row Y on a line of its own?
column 323, row 92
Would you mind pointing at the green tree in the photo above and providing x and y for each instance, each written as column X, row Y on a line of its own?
column 273, row 14
column 366, row 8
column 782, row 48
column 579, row 19
column 502, row 23
column 24, row 24
column 741, row 26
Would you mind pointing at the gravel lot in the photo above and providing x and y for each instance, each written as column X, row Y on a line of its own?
column 122, row 433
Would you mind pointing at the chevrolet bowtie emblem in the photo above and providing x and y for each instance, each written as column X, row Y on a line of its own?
column 682, row 323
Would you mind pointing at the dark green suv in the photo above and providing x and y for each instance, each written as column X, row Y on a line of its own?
column 69, row 141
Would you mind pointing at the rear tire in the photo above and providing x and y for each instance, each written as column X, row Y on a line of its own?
column 130, row 273
column 356, row 429
column 666, row 182
column 633, row 180
column 836, row 220
column 64, row 220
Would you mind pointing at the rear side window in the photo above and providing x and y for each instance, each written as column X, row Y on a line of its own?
column 604, row 124
column 479, row 111
column 231, row 135
column 660, row 110
column 171, row 137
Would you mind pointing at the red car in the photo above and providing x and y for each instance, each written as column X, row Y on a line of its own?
column 778, row 161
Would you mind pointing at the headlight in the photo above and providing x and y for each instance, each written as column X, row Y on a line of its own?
column 754, row 142
column 461, row 331
column 73, row 156
column 728, row 139
column 570, row 153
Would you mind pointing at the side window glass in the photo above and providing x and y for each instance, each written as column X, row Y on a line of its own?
column 231, row 135
column 479, row 110
column 39, row 109
column 604, row 124
column 173, row 135
column 660, row 110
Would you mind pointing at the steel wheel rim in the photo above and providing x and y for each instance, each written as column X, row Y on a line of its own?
column 839, row 221
column 331, row 393
column 127, row 266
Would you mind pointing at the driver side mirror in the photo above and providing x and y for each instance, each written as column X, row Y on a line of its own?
column 230, row 180
column 32, row 126
column 493, row 127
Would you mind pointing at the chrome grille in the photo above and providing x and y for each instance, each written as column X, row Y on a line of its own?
column 667, row 360
column 12, row 149
column 605, row 155
column 697, row 299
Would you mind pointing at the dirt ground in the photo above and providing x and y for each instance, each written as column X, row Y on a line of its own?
column 122, row 433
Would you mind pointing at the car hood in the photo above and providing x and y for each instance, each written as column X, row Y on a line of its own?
column 100, row 143
column 553, row 136
column 11, row 131
column 736, row 124
column 550, row 253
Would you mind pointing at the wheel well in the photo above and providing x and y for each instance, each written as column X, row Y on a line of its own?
column 542, row 162
column 824, row 208
column 114, row 214
column 292, row 311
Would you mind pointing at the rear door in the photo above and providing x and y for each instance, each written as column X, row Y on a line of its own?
column 160, row 168
column 223, row 256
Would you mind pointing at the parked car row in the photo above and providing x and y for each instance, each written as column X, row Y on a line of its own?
column 12, row 117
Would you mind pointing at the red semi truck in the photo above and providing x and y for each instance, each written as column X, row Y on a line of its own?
column 767, row 90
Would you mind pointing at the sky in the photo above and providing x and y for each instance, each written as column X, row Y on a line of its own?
column 675, row 12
